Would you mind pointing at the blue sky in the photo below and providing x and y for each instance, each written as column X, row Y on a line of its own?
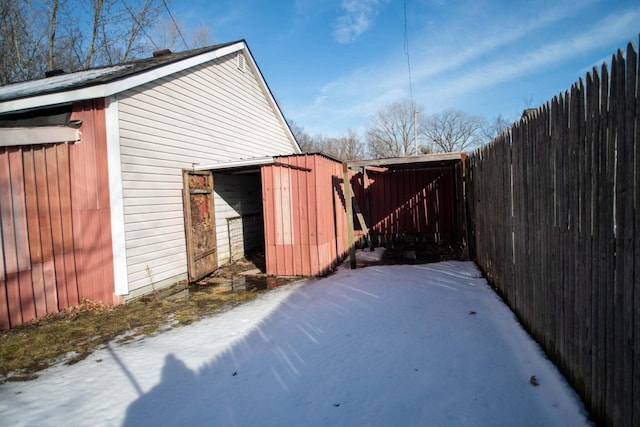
column 332, row 64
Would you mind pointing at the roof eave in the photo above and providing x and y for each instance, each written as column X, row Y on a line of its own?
column 119, row 84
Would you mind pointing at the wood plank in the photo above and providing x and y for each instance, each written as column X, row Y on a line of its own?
column 557, row 240
column 593, row 139
column 27, row 301
column 268, row 200
column 581, row 242
column 296, row 243
column 570, row 255
column 349, row 208
column 623, row 255
column 627, row 309
column 589, row 178
column 608, row 242
column 51, row 167
column 279, row 192
column 66, row 221
column 636, row 282
column 33, row 226
column 305, row 231
column 313, row 216
column 548, row 172
column 7, row 252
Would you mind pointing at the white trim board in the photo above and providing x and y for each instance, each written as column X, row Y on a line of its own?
column 11, row 137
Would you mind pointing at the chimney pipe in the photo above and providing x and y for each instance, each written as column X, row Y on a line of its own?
column 53, row 73
column 161, row 52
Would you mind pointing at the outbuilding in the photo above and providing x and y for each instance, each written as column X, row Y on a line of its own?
column 92, row 170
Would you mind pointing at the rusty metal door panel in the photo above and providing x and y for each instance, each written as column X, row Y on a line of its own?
column 200, row 227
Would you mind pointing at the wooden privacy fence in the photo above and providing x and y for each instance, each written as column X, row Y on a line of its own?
column 554, row 204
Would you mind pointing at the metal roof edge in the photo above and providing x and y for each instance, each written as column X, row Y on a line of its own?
column 426, row 158
column 234, row 164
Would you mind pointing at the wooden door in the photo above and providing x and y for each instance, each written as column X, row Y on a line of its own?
column 202, row 256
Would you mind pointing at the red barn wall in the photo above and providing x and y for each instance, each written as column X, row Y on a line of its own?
column 304, row 215
column 55, row 223
column 416, row 203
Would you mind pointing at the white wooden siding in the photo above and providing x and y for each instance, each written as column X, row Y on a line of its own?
column 211, row 113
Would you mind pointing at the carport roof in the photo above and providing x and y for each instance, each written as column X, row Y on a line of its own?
column 426, row 160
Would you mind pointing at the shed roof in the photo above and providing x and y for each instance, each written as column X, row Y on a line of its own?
column 426, row 160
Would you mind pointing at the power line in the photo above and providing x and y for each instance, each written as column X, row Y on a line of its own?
column 406, row 51
column 175, row 24
column 135, row 18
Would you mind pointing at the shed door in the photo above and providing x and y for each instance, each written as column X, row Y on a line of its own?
column 200, row 224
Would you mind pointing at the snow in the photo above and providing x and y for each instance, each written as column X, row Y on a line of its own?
column 406, row 345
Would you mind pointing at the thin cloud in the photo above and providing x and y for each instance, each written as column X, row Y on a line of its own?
column 607, row 31
column 441, row 60
column 357, row 18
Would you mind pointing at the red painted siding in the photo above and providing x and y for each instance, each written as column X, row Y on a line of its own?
column 305, row 216
column 420, row 203
column 55, row 222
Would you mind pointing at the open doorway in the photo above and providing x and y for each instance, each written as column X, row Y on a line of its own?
column 239, row 217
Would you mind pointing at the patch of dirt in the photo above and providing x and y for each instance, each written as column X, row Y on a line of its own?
column 73, row 334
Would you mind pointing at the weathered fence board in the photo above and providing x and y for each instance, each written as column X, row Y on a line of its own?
column 554, row 205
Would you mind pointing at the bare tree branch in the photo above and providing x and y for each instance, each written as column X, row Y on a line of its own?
column 453, row 130
column 52, row 33
column 390, row 133
column 94, row 33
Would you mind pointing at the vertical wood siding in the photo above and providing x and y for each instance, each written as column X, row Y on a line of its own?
column 212, row 113
column 305, row 217
column 416, row 203
column 55, row 235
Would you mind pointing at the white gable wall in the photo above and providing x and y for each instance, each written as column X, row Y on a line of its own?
column 211, row 113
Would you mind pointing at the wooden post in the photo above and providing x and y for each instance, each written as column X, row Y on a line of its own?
column 348, row 201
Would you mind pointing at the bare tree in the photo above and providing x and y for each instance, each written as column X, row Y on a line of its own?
column 345, row 147
column 36, row 36
column 52, row 32
column 20, row 45
column 168, row 34
column 493, row 128
column 395, row 130
column 453, row 130
column 305, row 141
column 201, row 36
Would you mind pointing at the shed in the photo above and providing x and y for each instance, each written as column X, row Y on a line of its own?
column 93, row 166
column 303, row 205
column 411, row 199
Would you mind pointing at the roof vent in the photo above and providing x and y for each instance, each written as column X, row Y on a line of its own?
column 53, row 73
column 241, row 62
column 161, row 53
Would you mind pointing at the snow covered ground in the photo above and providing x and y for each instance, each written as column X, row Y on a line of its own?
column 402, row 345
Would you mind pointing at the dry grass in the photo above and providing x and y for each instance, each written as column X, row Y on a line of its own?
column 72, row 335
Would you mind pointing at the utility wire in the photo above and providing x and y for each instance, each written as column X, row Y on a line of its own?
column 135, row 18
column 175, row 24
column 406, row 51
